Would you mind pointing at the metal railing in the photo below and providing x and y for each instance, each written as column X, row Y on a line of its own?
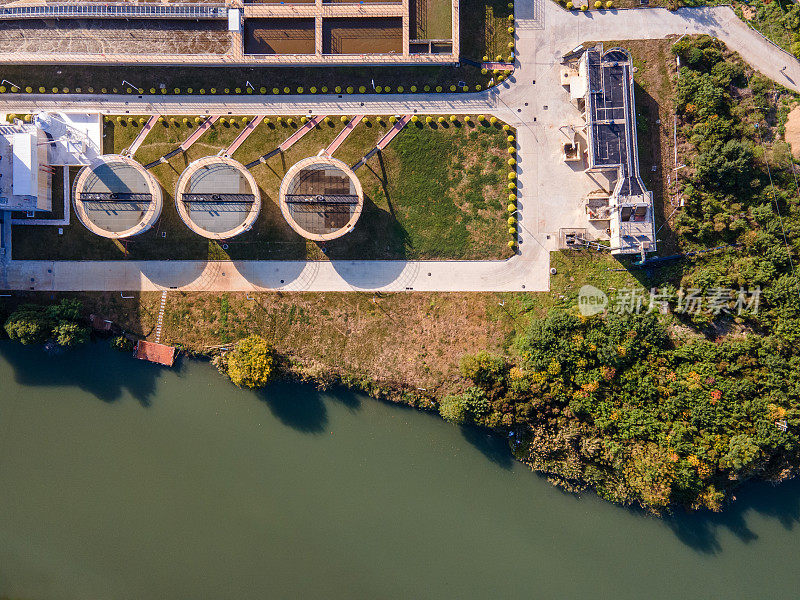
column 115, row 11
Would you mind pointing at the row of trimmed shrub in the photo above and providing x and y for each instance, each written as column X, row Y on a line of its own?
column 263, row 90
column 584, row 7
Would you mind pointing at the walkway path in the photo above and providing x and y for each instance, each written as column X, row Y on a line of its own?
column 532, row 100
column 346, row 131
column 499, row 66
column 142, row 134
column 187, row 143
column 288, row 142
column 384, row 141
column 245, row 133
column 160, row 321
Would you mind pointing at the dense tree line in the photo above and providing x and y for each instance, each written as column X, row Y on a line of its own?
column 611, row 402
column 616, row 402
column 61, row 323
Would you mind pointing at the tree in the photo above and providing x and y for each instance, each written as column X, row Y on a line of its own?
column 454, row 409
column 484, row 369
column 70, row 333
column 28, row 325
column 727, row 166
column 252, row 363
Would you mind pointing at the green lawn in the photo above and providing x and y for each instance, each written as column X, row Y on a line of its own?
column 484, row 28
column 415, row 207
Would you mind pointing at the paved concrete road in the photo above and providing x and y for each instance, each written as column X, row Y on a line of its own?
column 532, row 100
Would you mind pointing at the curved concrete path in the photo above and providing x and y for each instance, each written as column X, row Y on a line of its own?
column 531, row 100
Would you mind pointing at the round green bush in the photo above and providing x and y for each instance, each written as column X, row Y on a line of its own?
column 512, row 231
column 349, row 89
column 512, row 221
column 438, row 88
column 263, row 90
column 413, row 89
column 29, row 89
column 511, row 207
column 361, row 89
column 287, row 90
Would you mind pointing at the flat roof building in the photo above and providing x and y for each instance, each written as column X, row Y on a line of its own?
column 612, row 146
column 217, row 197
column 25, row 172
column 321, row 198
column 115, row 197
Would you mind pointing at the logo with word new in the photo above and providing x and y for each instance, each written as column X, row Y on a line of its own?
column 591, row 301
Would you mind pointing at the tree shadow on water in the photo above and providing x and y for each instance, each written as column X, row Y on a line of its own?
column 700, row 531
column 491, row 445
column 94, row 368
column 302, row 407
column 297, row 406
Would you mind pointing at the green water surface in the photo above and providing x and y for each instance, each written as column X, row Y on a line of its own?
column 120, row 479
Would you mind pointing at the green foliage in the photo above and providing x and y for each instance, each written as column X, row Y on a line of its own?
column 742, row 179
column 70, row 333
column 728, row 166
column 453, row 409
column 484, row 369
column 122, row 344
column 677, row 424
column 251, row 364
column 34, row 324
column 28, row 325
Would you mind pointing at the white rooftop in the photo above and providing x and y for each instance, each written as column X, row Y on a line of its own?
column 76, row 138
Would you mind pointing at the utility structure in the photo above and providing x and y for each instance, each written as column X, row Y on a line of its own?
column 612, row 148
column 217, row 197
column 115, row 197
column 321, row 198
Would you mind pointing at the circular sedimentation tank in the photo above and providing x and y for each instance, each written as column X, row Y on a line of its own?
column 321, row 198
column 217, row 197
column 115, row 197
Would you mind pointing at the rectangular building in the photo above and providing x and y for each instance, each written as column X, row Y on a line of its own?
column 25, row 174
column 612, row 146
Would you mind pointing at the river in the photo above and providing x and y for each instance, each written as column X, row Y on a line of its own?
column 120, row 479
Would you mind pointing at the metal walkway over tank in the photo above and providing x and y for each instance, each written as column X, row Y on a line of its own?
column 115, row 10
